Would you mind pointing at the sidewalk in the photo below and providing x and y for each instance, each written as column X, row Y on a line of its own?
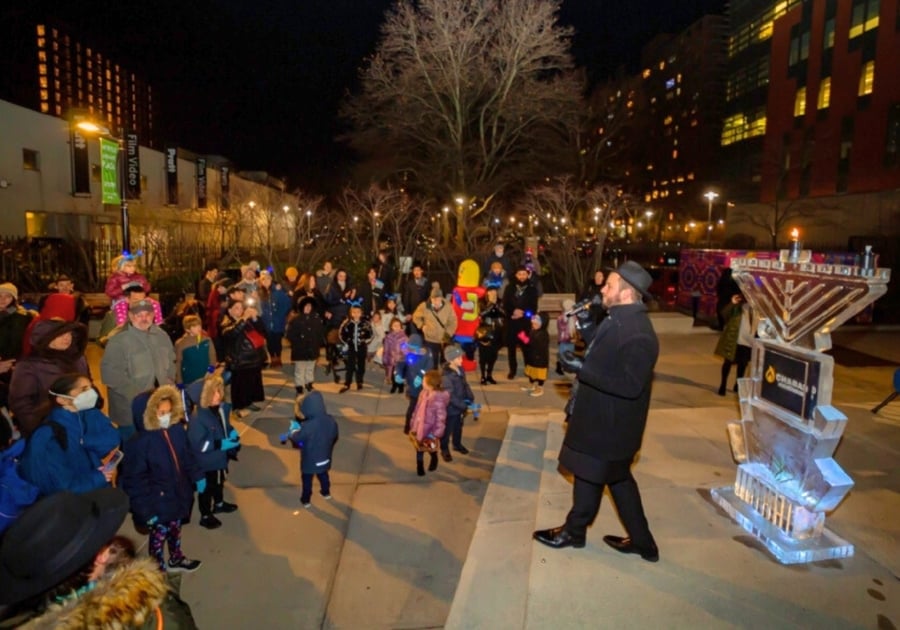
column 391, row 548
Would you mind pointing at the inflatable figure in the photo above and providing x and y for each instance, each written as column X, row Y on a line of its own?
column 465, row 297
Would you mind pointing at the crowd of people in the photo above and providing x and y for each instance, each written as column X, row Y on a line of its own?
column 176, row 382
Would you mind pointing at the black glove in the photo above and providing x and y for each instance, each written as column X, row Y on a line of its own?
column 570, row 362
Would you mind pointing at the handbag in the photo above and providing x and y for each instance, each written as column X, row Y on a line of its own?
column 430, row 444
column 256, row 338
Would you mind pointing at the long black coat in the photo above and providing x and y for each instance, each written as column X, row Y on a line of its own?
column 610, row 408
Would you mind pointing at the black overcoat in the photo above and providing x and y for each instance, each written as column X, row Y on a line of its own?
column 613, row 397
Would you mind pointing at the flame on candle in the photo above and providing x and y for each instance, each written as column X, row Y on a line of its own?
column 795, row 235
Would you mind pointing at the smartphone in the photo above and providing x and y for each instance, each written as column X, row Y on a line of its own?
column 114, row 461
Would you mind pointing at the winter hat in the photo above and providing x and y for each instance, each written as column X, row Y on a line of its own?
column 133, row 286
column 537, row 318
column 56, row 537
column 436, row 291
column 10, row 288
column 415, row 340
column 452, row 352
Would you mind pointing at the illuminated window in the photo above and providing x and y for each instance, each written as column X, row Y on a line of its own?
column 828, row 39
column 800, row 102
column 40, row 30
column 43, row 82
column 44, row 95
column 742, row 126
column 42, row 56
column 45, row 107
column 667, row 120
column 867, row 78
column 824, row 93
column 41, row 42
column 864, row 16
column 674, row 154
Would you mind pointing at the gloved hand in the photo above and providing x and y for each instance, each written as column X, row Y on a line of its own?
column 228, row 444
column 234, row 435
column 417, row 382
column 153, row 520
column 570, row 362
column 295, row 426
column 398, row 379
column 523, row 337
column 201, row 486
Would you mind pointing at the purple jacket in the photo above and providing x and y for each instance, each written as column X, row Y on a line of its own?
column 430, row 416
column 393, row 347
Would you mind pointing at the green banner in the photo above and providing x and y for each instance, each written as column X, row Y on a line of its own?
column 109, row 154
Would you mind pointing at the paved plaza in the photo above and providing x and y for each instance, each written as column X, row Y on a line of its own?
column 393, row 550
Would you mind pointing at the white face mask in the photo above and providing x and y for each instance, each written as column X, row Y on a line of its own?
column 165, row 420
column 83, row 401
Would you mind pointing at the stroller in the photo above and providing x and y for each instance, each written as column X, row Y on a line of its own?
column 335, row 354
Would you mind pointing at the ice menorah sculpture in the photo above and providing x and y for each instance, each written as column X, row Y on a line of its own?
column 786, row 478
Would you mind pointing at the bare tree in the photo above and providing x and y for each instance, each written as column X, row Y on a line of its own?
column 569, row 215
column 459, row 94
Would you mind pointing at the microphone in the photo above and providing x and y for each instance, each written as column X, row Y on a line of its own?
column 583, row 305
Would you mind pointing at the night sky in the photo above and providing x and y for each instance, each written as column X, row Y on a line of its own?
column 260, row 81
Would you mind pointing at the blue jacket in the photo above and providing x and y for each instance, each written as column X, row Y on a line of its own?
column 207, row 429
column 317, row 435
column 460, row 393
column 159, row 470
column 274, row 309
column 412, row 366
column 89, row 436
column 15, row 493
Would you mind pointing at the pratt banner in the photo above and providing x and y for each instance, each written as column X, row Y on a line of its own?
column 171, row 176
column 201, row 182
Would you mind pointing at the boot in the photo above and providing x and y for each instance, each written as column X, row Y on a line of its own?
column 559, row 369
column 432, row 466
column 309, row 387
column 721, row 391
column 393, row 388
column 420, row 468
column 299, row 389
column 400, row 388
column 490, row 379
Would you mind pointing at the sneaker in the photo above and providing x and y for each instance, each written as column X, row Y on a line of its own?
column 183, row 565
column 306, row 505
column 537, row 391
column 446, row 456
column 210, row 522
column 224, row 508
column 527, row 388
column 327, row 497
column 309, row 387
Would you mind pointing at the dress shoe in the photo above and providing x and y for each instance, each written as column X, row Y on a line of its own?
column 490, row 379
column 462, row 450
column 210, row 522
column 447, row 456
column 558, row 538
column 511, row 375
column 309, row 387
column 484, row 380
column 358, row 386
column 345, row 388
column 624, row 545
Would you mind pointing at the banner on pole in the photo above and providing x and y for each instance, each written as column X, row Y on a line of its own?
column 109, row 157
column 201, row 182
column 133, row 166
column 171, row 176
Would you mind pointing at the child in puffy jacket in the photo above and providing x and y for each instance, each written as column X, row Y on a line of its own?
column 212, row 438
column 393, row 353
column 124, row 272
column 315, row 432
column 356, row 332
column 429, row 420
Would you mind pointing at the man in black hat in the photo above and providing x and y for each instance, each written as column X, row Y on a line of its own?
column 606, row 424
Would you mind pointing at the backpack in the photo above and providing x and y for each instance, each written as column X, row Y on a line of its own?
column 16, row 494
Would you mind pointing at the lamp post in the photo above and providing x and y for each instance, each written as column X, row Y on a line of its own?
column 308, row 226
column 710, row 197
column 101, row 131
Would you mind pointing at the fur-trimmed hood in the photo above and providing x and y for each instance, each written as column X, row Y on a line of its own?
column 128, row 598
column 151, row 422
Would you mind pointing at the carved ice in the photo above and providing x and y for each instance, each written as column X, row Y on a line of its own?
column 788, row 430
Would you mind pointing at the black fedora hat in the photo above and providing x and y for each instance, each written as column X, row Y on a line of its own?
column 635, row 275
column 56, row 537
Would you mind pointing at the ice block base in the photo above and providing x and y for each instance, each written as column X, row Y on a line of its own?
column 786, row 550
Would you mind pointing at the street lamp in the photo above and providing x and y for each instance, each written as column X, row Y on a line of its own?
column 91, row 127
column 308, row 226
column 710, row 197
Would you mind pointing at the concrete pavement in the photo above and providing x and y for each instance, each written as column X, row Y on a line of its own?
column 393, row 550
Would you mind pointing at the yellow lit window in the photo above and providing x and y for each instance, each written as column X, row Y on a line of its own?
column 42, row 69
column 800, row 102
column 867, row 78
column 824, row 93
column 43, row 82
column 45, row 107
column 667, row 120
column 45, row 95
column 42, row 56
column 40, row 30
column 674, row 154
column 662, row 65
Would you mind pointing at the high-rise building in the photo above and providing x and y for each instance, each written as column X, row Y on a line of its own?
column 49, row 68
